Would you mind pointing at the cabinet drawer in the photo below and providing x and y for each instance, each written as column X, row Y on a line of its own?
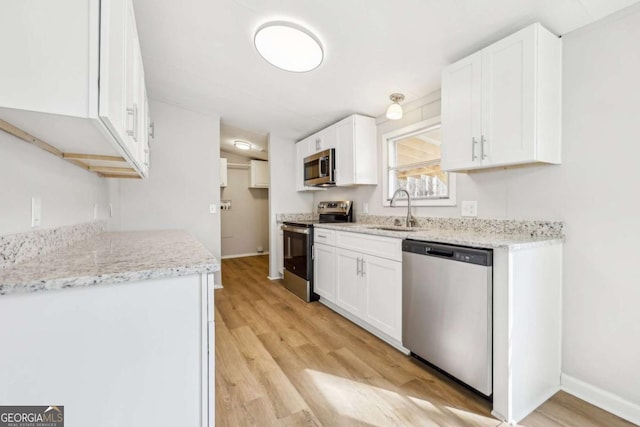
column 327, row 237
column 384, row 247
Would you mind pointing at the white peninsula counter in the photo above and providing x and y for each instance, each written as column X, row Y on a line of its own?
column 117, row 328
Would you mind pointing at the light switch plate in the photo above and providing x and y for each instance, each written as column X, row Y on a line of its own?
column 469, row 208
column 36, row 212
column 212, row 208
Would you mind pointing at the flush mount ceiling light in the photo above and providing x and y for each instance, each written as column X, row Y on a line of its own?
column 394, row 112
column 242, row 145
column 288, row 46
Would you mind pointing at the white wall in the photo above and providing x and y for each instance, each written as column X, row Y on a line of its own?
column 283, row 197
column 594, row 191
column 68, row 193
column 184, row 178
column 246, row 226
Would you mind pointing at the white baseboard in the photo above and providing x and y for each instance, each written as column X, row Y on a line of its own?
column 601, row 398
column 244, row 255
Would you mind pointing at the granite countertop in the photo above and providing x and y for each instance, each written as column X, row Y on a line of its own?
column 111, row 258
column 451, row 236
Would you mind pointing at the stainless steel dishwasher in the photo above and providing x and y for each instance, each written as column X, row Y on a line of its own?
column 447, row 309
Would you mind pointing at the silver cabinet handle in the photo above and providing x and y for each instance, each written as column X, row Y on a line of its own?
column 482, row 151
column 322, row 236
column 358, row 267
column 152, row 130
column 133, row 112
column 362, row 270
column 313, row 252
column 474, row 141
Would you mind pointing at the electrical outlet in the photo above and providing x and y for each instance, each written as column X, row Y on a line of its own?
column 95, row 211
column 365, row 208
column 36, row 212
column 469, row 208
column 212, row 208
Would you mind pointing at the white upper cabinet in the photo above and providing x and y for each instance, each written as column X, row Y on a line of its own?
column 73, row 77
column 324, row 140
column 259, row 171
column 356, row 151
column 501, row 106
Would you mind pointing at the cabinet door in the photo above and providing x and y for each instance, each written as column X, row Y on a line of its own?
column 461, row 119
column 141, row 131
column 112, row 104
column 259, row 174
column 508, row 99
column 383, row 295
column 325, row 271
column 133, row 66
column 326, row 139
column 349, row 294
column 345, row 152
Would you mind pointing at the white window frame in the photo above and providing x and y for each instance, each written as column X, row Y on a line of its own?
column 399, row 134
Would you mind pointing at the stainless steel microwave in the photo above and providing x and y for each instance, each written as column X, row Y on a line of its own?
column 319, row 169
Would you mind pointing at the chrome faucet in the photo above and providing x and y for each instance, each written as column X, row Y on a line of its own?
column 411, row 221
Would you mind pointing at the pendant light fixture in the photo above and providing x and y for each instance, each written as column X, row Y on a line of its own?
column 289, row 46
column 394, row 112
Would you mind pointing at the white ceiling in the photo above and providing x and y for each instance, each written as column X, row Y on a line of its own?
column 199, row 53
column 228, row 134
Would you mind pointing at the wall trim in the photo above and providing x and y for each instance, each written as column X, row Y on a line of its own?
column 244, row 255
column 601, row 398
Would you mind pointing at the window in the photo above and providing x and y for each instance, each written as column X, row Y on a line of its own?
column 413, row 164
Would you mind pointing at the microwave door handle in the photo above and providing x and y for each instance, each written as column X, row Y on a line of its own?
column 321, row 172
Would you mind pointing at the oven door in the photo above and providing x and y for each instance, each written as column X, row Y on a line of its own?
column 297, row 250
column 319, row 169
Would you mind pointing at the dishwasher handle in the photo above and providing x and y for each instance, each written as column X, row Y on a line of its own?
column 439, row 252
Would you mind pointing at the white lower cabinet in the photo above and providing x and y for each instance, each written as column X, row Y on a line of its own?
column 349, row 292
column 382, row 285
column 324, row 271
column 366, row 287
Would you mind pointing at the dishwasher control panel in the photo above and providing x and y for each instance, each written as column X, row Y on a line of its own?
column 455, row 253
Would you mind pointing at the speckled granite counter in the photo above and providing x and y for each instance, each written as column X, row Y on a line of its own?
column 462, row 237
column 111, row 258
column 296, row 217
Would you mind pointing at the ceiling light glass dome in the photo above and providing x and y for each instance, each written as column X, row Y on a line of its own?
column 289, row 46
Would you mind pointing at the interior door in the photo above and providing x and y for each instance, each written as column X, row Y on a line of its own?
column 508, row 99
column 461, row 108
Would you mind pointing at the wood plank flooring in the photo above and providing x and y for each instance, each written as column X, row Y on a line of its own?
column 282, row 362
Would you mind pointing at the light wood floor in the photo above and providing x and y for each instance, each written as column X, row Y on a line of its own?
column 282, row 362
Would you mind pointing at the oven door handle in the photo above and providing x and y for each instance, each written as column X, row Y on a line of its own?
column 299, row 230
